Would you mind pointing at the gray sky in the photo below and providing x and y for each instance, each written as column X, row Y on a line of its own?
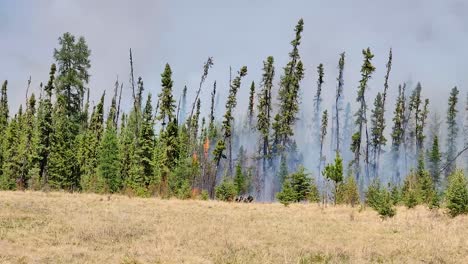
column 429, row 40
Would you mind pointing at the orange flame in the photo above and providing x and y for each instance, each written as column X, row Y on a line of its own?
column 206, row 147
column 195, row 157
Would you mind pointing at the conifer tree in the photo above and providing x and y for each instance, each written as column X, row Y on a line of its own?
column 378, row 122
column 211, row 125
column 28, row 144
column 141, row 173
column 4, row 114
column 338, row 101
column 167, row 102
column 420, row 115
column 347, row 132
column 73, row 64
column 45, row 127
column 318, row 102
column 323, row 133
column 126, row 148
column 434, row 160
column 334, row 172
column 228, row 119
column 361, row 120
column 452, row 129
column 11, row 155
column 108, row 167
column 195, row 122
column 264, row 105
column 89, row 148
column 206, row 67
column 169, row 156
column 398, row 129
column 289, row 93
column 251, row 104
column 378, row 140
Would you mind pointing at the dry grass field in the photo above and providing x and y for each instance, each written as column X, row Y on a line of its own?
column 38, row 227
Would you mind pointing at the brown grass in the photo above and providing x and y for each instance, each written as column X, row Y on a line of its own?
column 67, row 228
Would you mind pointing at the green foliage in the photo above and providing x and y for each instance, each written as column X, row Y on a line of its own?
column 348, row 192
column 226, row 191
column 288, row 94
column 334, row 172
column 240, row 180
column 418, row 189
column 434, row 161
column 366, row 73
column 379, row 199
column 314, row 194
column 396, row 195
column 452, row 129
column 298, row 187
column 185, row 190
column 167, row 102
column 108, row 162
column 457, row 194
column 301, row 184
column 204, row 195
column 287, row 194
column 283, row 170
column 264, row 104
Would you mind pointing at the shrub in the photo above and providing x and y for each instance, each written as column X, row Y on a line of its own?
column 314, row 194
column 334, row 172
column 226, row 191
column 300, row 183
column 457, row 194
column 204, row 195
column 298, row 187
column 395, row 194
column 348, row 192
column 287, row 194
column 379, row 199
column 418, row 189
column 185, row 190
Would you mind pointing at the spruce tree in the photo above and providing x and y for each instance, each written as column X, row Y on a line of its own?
column 251, row 104
column 334, row 172
column 378, row 140
column 452, row 129
column 434, row 161
column 108, row 167
column 323, row 133
column 169, row 154
column 338, row 101
column 361, row 119
column 289, row 93
column 141, row 173
column 45, row 127
column 4, row 114
column 228, row 119
column 28, row 144
column 167, row 102
column 264, row 105
column 398, row 130
column 317, row 103
column 212, row 128
column 73, row 64
column 11, row 155
column 89, row 150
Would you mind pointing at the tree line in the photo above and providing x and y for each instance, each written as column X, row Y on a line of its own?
column 164, row 146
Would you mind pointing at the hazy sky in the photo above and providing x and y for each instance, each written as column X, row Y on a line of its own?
column 429, row 41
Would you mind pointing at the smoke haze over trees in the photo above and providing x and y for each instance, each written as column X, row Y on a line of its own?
column 153, row 126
